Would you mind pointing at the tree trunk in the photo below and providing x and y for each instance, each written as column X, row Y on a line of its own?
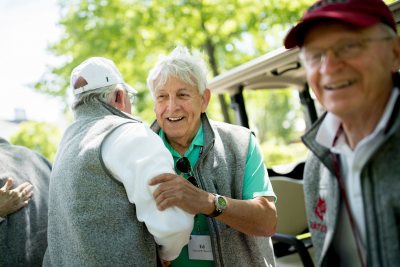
column 210, row 48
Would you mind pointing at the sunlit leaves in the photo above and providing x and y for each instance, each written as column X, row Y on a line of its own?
column 38, row 136
column 134, row 33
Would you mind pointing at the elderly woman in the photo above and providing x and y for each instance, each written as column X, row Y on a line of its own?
column 229, row 189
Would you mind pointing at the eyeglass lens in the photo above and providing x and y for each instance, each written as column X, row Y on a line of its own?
column 183, row 165
column 131, row 96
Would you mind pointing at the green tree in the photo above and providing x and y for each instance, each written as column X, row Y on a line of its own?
column 135, row 32
column 38, row 136
column 274, row 114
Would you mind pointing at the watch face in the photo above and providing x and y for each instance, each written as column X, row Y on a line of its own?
column 220, row 205
column 221, row 202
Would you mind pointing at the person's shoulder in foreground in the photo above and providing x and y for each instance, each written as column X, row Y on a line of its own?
column 24, row 182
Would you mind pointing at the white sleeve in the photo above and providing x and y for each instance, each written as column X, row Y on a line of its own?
column 134, row 154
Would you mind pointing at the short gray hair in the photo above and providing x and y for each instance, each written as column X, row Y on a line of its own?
column 182, row 65
column 103, row 94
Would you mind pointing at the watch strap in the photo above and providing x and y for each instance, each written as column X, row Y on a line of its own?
column 215, row 213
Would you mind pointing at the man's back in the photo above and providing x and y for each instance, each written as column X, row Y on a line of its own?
column 102, row 211
column 23, row 235
column 89, row 210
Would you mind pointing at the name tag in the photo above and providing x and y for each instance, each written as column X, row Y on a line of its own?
column 200, row 248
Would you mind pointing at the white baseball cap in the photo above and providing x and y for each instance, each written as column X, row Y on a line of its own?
column 97, row 72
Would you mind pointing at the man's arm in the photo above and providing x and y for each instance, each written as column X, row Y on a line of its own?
column 134, row 154
column 255, row 215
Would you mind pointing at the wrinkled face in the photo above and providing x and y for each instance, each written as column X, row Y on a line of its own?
column 178, row 107
column 349, row 85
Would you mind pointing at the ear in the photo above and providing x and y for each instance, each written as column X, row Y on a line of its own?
column 396, row 55
column 206, row 99
column 118, row 100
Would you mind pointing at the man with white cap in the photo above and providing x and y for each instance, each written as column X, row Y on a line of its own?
column 102, row 167
column 351, row 54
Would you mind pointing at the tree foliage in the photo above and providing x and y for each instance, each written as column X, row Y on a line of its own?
column 135, row 32
column 38, row 136
column 275, row 115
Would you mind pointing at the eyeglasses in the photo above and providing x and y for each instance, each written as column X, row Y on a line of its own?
column 130, row 93
column 313, row 58
column 183, row 165
column 132, row 96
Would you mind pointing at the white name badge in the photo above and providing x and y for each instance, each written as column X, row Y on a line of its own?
column 200, row 248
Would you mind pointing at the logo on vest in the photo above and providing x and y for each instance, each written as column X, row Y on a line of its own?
column 320, row 209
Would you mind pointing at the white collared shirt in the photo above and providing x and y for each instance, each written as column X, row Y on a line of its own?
column 134, row 154
column 352, row 163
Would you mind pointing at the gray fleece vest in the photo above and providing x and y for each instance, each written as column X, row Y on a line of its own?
column 91, row 222
column 220, row 169
column 23, row 234
column 380, row 183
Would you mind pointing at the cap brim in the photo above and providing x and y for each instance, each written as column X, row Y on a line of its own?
column 296, row 35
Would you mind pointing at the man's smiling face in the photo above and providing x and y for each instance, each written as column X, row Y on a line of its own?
column 351, row 85
column 178, row 107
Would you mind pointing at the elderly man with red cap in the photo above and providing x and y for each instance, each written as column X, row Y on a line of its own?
column 351, row 53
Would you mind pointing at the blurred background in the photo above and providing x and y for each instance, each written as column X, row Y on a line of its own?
column 43, row 40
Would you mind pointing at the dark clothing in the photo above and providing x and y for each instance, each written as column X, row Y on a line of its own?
column 23, row 234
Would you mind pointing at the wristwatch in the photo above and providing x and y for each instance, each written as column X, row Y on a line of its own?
column 220, row 205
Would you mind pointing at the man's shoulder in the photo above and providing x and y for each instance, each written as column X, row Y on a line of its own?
column 25, row 157
column 229, row 128
column 231, row 135
column 21, row 151
column 119, row 119
column 112, row 122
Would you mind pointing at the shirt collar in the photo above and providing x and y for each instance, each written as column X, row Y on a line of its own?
column 198, row 140
column 331, row 123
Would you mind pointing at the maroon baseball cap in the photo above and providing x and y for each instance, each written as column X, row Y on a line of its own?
column 361, row 13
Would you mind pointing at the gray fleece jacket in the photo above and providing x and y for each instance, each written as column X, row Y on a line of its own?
column 91, row 221
column 23, row 234
column 380, row 182
column 220, row 169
